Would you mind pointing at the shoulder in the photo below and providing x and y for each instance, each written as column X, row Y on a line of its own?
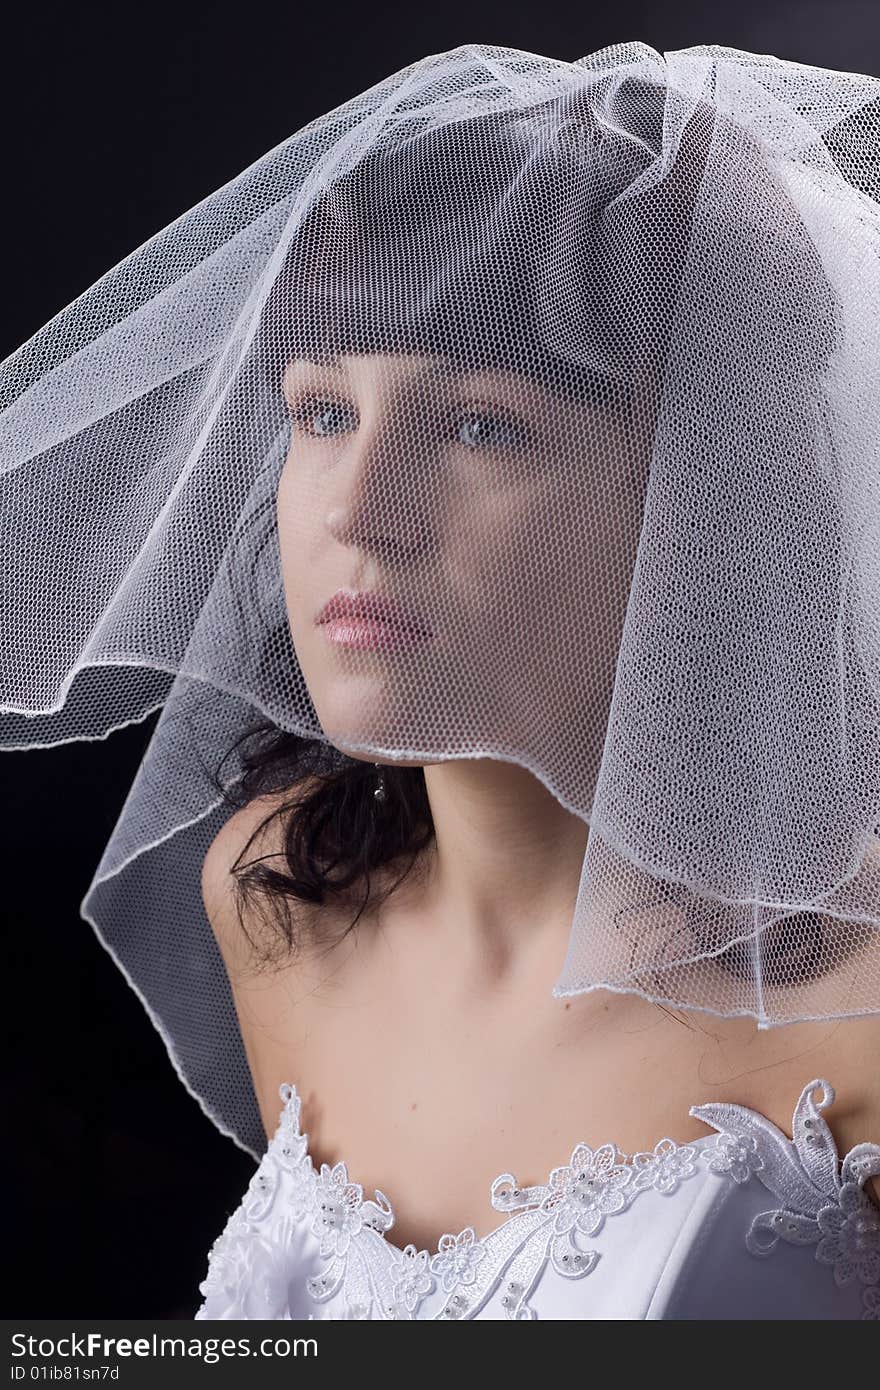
column 766, row 1072
column 847, row 1057
column 229, row 844
column 251, row 832
column 228, row 847
column 854, row 1118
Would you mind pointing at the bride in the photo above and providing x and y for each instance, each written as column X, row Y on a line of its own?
column 488, row 475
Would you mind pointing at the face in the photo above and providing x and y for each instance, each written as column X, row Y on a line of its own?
column 500, row 517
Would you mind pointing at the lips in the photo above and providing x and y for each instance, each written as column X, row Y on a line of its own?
column 348, row 603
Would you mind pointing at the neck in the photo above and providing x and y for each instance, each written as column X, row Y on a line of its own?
column 503, row 873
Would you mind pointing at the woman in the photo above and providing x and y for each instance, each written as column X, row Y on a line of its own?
column 416, row 1076
column 507, row 432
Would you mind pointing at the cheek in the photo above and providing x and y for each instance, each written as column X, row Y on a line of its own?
column 292, row 519
column 282, row 495
column 484, row 541
column 298, row 511
column 548, row 549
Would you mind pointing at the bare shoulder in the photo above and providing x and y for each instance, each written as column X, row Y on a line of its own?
column 857, row 1099
column 767, row 1071
column 249, row 833
column 854, row 1118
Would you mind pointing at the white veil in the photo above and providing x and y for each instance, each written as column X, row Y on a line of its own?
column 654, row 580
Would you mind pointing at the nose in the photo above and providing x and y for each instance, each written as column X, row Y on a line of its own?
column 382, row 505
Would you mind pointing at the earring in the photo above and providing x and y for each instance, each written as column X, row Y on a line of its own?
column 379, row 793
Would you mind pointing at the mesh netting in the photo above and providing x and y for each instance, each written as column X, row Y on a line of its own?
column 569, row 370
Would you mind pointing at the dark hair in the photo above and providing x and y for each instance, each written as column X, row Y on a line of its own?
column 337, row 837
column 368, row 269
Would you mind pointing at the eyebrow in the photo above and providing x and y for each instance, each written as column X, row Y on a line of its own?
column 592, row 379
column 442, row 368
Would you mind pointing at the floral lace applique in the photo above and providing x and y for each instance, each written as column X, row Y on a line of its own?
column 246, row 1266
column 411, row 1280
column 342, row 1211
column 823, row 1203
column 665, row 1168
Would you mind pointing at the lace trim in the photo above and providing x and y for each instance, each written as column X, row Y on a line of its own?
column 374, row 1274
column 823, row 1202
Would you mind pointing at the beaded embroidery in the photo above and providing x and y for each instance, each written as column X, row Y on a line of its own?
column 376, row 1278
column 823, row 1203
column 545, row 1223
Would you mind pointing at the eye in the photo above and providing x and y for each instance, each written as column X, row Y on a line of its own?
column 326, row 411
column 483, row 430
column 323, row 417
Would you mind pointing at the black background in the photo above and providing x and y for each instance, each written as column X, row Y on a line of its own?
column 115, row 121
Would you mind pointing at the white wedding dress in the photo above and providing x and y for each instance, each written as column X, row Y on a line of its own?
column 742, row 1223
